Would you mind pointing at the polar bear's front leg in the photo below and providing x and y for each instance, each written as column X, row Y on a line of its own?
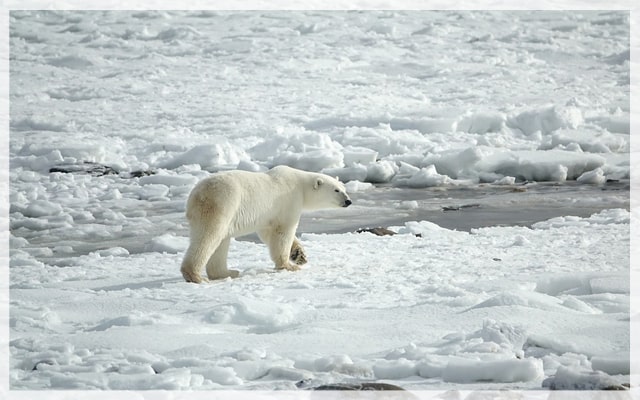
column 217, row 264
column 279, row 242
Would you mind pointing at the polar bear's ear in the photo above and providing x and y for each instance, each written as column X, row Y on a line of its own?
column 317, row 183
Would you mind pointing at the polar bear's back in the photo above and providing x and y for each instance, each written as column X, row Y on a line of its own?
column 226, row 188
column 225, row 185
column 246, row 199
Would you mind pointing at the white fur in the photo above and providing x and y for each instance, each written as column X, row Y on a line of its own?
column 236, row 203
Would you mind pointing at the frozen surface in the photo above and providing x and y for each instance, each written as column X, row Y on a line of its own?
column 495, row 143
column 500, row 307
column 416, row 99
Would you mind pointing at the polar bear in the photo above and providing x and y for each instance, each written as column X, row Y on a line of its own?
column 235, row 203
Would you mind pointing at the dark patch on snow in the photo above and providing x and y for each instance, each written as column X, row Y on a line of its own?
column 96, row 169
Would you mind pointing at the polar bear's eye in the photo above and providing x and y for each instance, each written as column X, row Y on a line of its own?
column 337, row 191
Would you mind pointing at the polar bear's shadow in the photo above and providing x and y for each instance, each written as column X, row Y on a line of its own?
column 159, row 283
column 259, row 267
column 255, row 271
column 154, row 284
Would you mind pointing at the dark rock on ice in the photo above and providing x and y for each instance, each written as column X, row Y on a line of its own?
column 379, row 231
column 37, row 365
column 460, row 208
column 358, row 386
column 141, row 173
column 87, row 167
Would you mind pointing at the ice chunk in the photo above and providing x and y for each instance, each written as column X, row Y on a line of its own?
column 357, row 186
column 574, row 378
column 168, row 180
column 482, row 122
column 168, row 243
column 381, row 171
column 356, row 172
column 395, row 369
column 594, row 177
column 546, row 120
column 425, row 177
column 208, row 156
column 359, row 155
column 42, row 208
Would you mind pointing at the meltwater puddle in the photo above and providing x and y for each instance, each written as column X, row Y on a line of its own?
column 469, row 207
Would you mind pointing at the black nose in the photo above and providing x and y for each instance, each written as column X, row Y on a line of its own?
column 347, row 203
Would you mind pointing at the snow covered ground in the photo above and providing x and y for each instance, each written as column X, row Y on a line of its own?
column 495, row 143
column 506, row 306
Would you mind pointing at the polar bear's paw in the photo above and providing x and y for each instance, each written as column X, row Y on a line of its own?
column 192, row 277
column 297, row 255
column 289, row 267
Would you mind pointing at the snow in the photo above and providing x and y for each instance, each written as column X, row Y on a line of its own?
column 480, row 322
column 573, row 379
column 496, row 145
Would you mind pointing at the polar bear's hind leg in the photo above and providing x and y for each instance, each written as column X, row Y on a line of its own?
column 197, row 254
column 217, row 264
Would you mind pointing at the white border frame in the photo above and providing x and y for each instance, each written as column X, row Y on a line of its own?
column 9, row 5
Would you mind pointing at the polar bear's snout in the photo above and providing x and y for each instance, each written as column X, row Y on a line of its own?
column 347, row 200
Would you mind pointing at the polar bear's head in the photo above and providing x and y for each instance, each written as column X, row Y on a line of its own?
column 326, row 192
